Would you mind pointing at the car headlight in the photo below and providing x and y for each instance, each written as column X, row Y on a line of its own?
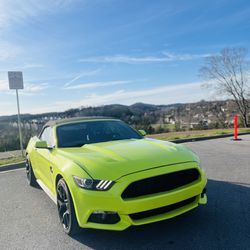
column 90, row 184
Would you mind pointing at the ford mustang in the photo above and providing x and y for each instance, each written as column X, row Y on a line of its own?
column 104, row 174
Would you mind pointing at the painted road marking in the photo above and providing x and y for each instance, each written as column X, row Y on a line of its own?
column 13, row 170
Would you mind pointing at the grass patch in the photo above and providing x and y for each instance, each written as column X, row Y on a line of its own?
column 10, row 160
column 221, row 133
column 195, row 134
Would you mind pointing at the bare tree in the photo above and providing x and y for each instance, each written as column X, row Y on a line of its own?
column 228, row 74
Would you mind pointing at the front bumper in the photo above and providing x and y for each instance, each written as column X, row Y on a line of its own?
column 86, row 202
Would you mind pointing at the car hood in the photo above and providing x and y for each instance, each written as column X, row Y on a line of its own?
column 114, row 159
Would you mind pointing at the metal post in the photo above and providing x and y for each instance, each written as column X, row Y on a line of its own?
column 19, row 123
column 235, row 127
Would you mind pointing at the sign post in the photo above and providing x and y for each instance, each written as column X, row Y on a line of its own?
column 16, row 82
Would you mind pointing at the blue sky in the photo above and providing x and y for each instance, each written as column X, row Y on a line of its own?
column 90, row 52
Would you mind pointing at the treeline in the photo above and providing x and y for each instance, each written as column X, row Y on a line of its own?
column 151, row 118
column 9, row 136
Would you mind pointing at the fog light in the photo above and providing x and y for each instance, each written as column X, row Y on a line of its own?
column 104, row 217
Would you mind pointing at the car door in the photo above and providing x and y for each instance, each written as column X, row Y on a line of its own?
column 44, row 155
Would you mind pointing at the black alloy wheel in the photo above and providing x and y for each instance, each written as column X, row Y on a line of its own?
column 66, row 209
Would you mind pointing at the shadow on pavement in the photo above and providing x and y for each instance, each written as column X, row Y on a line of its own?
column 224, row 223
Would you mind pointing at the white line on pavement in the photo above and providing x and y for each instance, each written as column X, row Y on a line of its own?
column 13, row 170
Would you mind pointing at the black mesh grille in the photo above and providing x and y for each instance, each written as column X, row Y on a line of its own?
column 161, row 210
column 161, row 183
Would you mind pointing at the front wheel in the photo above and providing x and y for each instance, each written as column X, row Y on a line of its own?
column 66, row 209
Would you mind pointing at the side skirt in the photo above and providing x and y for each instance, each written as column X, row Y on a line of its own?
column 47, row 191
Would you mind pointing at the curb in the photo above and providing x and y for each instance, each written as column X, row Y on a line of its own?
column 12, row 166
column 207, row 138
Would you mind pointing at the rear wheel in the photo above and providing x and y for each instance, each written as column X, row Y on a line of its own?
column 66, row 209
column 29, row 173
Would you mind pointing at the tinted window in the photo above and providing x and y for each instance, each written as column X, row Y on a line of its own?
column 47, row 135
column 78, row 134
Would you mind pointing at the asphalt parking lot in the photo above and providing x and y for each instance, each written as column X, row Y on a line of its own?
column 29, row 218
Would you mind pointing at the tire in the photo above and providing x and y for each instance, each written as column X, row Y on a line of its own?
column 66, row 209
column 30, row 174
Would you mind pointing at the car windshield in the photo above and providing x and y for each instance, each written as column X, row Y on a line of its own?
column 78, row 134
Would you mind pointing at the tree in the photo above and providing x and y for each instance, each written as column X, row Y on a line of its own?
column 228, row 74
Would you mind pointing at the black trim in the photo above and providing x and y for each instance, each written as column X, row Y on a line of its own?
column 176, row 163
column 107, row 218
column 161, row 183
column 161, row 210
column 203, row 192
column 39, row 135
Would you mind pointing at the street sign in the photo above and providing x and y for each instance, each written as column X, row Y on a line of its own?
column 16, row 82
column 15, row 79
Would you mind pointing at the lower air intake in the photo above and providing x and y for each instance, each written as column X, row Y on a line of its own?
column 161, row 210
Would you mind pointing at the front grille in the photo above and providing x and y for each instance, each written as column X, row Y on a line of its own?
column 161, row 183
column 161, row 210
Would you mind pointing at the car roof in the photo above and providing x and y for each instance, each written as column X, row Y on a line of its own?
column 76, row 119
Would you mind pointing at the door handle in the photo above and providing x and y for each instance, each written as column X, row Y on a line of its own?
column 51, row 169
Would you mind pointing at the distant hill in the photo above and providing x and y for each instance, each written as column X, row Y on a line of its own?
column 212, row 111
column 152, row 118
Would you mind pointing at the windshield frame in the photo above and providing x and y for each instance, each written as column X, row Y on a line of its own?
column 99, row 120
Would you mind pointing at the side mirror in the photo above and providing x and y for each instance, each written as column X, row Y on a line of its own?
column 41, row 144
column 142, row 132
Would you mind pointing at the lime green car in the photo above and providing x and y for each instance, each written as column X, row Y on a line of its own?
column 103, row 174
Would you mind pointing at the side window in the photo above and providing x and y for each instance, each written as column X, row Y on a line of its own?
column 47, row 135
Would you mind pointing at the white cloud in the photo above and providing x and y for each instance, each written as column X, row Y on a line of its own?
column 22, row 67
column 91, row 85
column 7, row 108
column 19, row 11
column 31, row 66
column 158, row 95
column 181, row 93
column 4, row 85
column 80, row 75
column 166, row 57
column 184, row 57
column 29, row 88
column 33, row 88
